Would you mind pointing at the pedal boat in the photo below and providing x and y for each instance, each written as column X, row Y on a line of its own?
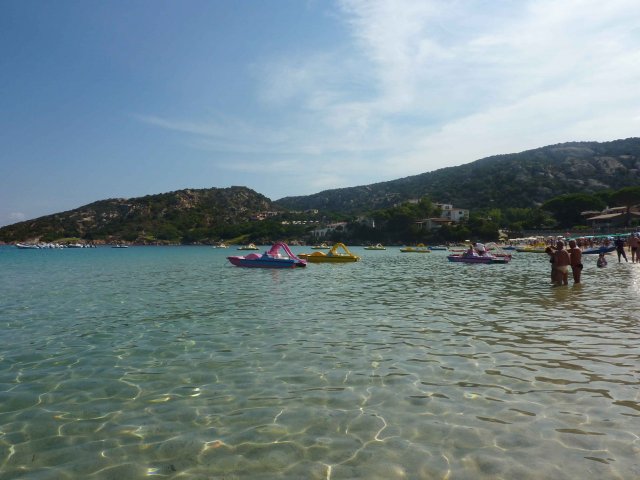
column 270, row 259
column 488, row 258
column 378, row 246
column 333, row 256
column 420, row 248
column 598, row 250
column 322, row 246
column 497, row 256
column 537, row 248
column 251, row 246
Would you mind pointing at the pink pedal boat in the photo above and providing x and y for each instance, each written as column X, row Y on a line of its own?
column 271, row 259
column 479, row 258
column 470, row 256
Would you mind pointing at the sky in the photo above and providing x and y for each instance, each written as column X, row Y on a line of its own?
column 120, row 99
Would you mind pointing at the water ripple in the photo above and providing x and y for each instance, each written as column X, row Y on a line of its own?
column 170, row 362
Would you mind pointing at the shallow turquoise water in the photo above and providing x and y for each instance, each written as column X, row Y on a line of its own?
column 169, row 362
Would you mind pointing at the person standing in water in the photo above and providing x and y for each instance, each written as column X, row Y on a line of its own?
column 634, row 243
column 551, row 252
column 619, row 243
column 576, row 261
column 561, row 260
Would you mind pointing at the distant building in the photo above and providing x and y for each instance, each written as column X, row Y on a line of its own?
column 449, row 216
column 452, row 213
column 433, row 223
column 610, row 217
column 323, row 232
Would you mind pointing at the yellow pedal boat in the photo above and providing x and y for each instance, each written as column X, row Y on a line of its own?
column 537, row 248
column 333, row 256
column 420, row 248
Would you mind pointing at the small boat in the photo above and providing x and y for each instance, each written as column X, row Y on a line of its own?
column 119, row 245
column 27, row 246
column 333, row 256
column 270, row 259
column 537, row 248
column 322, row 246
column 221, row 245
column 470, row 256
column 420, row 248
column 465, row 258
column 439, row 247
column 598, row 250
column 251, row 246
column 377, row 246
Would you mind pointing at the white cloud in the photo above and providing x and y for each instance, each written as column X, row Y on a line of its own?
column 427, row 84
column 500, row 81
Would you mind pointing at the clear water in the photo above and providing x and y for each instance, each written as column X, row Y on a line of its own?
column 169, row 362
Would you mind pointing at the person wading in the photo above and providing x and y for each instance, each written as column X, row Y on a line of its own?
column 561, row 260
column 576, row 261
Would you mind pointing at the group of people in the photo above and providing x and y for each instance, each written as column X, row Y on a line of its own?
column 476, row 249
column 562, row 259
column 634, row 244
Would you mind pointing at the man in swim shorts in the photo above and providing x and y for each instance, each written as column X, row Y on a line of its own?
column 576, row 261
column 561, row 260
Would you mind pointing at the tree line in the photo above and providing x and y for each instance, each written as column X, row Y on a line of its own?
column 400, row 224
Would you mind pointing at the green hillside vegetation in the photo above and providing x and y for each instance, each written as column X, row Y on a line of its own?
column 519, row 180
column 185, row 216
column 402, row 224
column 544, row 188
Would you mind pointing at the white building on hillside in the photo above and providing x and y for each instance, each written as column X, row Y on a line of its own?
column 323, row 232
column 454, row 214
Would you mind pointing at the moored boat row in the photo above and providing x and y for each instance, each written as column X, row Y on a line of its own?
column 339, row 253
column 39, row 246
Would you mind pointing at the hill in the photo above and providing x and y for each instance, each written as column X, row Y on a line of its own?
column 523, row 179
column 174, row 216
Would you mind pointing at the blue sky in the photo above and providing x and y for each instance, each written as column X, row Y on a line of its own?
column 103, row 99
